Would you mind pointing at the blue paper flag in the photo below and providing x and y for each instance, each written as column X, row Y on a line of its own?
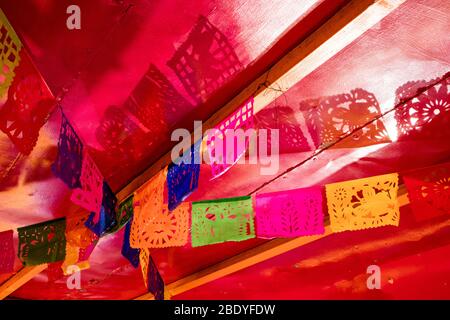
column 131, row 254
column 182, row 176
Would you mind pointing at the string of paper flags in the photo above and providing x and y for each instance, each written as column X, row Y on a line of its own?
column 150, row 222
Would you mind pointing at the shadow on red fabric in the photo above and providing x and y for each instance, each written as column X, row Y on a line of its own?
column 205, row 61
column 128, row 132
column 282, row 118
column 330, row 118
column 155, row 102
column 426, row 115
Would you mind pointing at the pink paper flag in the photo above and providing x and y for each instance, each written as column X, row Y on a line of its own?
column 222, row 159
column 290, row 213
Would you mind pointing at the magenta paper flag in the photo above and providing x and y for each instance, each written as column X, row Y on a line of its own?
column 222, row 158
column 290, row 213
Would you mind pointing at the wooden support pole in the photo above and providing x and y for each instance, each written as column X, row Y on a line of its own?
column 19, row 279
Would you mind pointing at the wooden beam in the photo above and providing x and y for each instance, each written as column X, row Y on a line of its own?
column 333, row 36
column 19, row 279
column 249, row 258
column 241, row 261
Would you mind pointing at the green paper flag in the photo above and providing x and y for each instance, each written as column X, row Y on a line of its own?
column 217, row 221
column 42, row 243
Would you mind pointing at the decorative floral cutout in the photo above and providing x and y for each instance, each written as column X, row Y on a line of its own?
column 123, row 214
column 182, row 177
column 106, row 220
column 331, row 118
column 219, row 155
column 205, row 61
column 290, row 213
column 166, row 228
column 429, row 191
column 42, row 243
column 155, row 102
column 217, row 221
column 129, row 253
column 90, row 195
column 153, row 225
column 152, row 279
column 7, row 254
column 70, row 156
column 28, row 105
column 363, row 203
column 10, row 47
column 283, row 119
column 428, row 114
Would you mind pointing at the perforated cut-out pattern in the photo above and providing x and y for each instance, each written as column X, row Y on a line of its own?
column 290, row 213
column 428, row 114
column 429, row 191
column 363, row 203
column 42, row 243
column 90, row 195
column 222, row 158
column 282, row 118
column 330, row 118
column 217, row 221
column 154, row 226
column 28, row 105
column 205, row 61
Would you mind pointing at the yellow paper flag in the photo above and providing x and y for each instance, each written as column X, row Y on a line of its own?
column 363, row 203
